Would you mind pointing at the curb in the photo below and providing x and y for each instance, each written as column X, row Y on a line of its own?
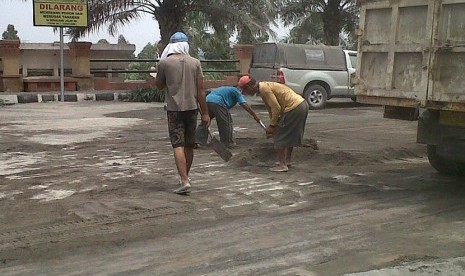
column 37, row 97
column 9, row 99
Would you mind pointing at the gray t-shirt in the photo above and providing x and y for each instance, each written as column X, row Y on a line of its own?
column 180, row 73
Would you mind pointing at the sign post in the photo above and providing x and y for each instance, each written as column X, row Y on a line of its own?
column 62, row 70
column 60, row 13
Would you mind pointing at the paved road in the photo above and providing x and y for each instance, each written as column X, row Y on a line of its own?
column 86, row 189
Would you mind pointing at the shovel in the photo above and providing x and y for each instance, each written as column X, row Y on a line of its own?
column 219, row 147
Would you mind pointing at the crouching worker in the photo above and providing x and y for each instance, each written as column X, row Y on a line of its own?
column 288, row 114
column 219, row 101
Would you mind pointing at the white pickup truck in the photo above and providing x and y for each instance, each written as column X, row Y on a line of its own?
column 317, row 72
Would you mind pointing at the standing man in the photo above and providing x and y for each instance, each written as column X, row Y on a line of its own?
column 219, row 101
column 182, row 77
column 288, row 113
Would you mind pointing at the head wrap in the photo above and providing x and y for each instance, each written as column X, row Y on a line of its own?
column 175, row 48
column 178, row 45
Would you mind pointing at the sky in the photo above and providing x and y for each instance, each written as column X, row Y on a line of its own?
column 19, row 14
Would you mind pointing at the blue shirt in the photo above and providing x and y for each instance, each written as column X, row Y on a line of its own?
column 227, row 96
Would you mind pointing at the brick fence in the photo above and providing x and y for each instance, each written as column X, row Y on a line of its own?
column 81, row 79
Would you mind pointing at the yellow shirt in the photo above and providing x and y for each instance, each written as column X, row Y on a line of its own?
column 278, row 99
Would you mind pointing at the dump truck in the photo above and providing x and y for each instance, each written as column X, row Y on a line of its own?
column 411, row 60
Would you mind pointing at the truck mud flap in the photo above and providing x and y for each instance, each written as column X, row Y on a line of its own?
column 401, row 113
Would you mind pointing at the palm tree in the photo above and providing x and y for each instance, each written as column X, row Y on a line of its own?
column 309, row 30
column 320, row 20
column 174, row 15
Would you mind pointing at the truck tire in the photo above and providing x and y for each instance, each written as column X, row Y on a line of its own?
column 316, row 96
column 444, row 165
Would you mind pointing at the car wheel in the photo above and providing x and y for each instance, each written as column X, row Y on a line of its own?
column 444, row 165
column 316, row 96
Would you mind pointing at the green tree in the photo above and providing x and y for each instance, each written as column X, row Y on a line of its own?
column 173, row 15
column 10, row 33
column 308, row 31
column 103, row 41
column 321, row 20
column 205, row 42
column 248, row 36
column 122, row 40
column 148, row 52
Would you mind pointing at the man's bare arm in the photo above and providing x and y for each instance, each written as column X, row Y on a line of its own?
column 201, row 99
column 250, row 111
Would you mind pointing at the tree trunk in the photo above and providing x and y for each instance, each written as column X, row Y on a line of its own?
column 170, row 20
column 332, row 23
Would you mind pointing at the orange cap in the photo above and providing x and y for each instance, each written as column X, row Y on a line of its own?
column 244, row 80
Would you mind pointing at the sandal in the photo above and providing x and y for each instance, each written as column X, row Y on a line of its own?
column 279, row 164
column 279, row 169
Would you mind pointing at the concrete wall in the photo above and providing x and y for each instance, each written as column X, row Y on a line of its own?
column 21, row 63
column 47, row 56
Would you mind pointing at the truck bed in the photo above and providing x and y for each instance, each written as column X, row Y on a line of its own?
column 412, row 54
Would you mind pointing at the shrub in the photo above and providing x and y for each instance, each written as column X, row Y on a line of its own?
column 146, row 94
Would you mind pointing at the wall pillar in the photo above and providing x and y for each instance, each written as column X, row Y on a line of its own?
column 80, row 64
column 10, row 79
column 244, row 55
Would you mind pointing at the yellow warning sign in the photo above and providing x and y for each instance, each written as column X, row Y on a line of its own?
column 60, row 13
